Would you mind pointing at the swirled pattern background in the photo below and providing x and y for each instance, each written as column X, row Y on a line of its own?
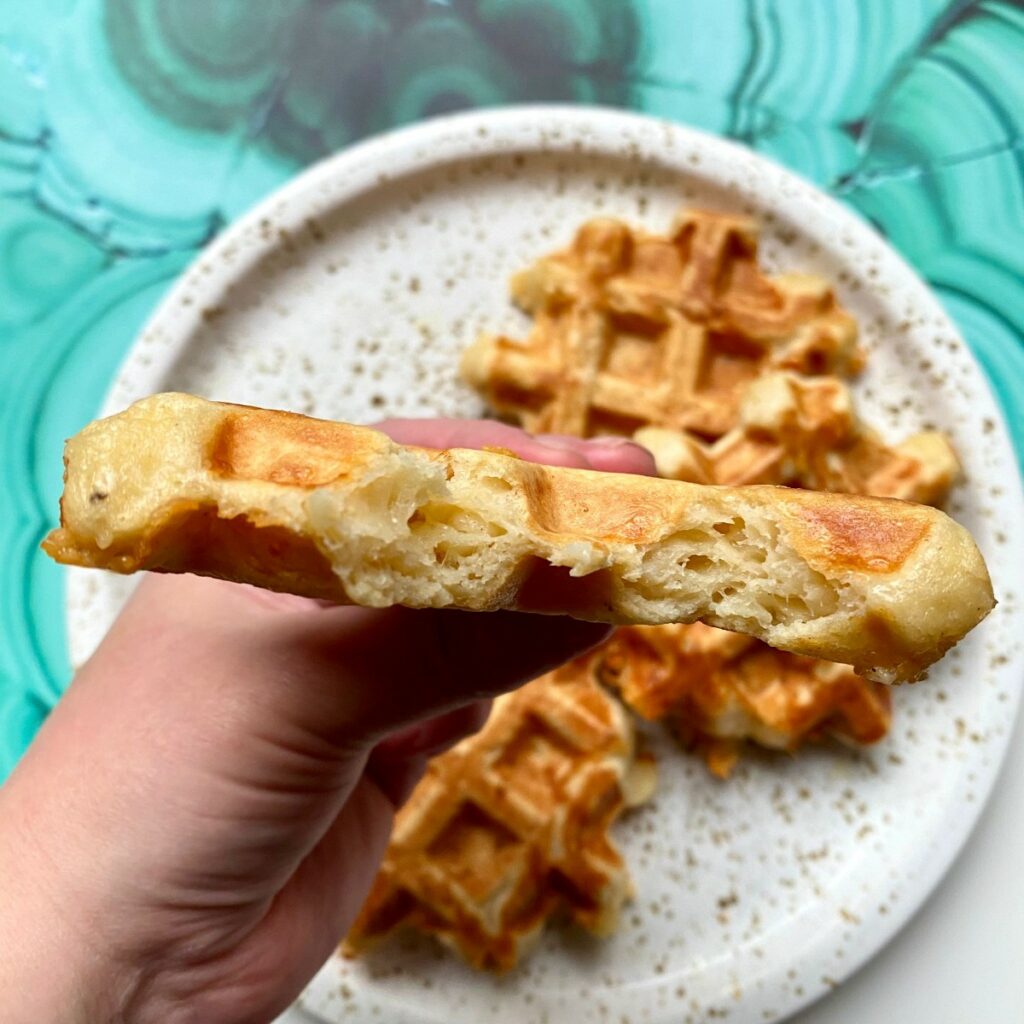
column 131, row 131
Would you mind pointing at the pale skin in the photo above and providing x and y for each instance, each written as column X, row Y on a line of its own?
column 199, row 819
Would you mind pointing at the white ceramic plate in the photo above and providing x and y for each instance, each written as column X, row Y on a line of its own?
column 351, row 292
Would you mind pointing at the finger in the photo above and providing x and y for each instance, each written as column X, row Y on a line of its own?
column 369, row 673
column 341, row 677
column 396, row 779
column 451, row 433
column 447, row 432
column 434, row 735
column 397, row 763
column 611, row 454
column 619, row 455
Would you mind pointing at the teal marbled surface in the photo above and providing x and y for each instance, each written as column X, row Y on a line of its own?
column 131, row 131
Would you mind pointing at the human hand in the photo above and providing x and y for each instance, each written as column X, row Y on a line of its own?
column 200, row 818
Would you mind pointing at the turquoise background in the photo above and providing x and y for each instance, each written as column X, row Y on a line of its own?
column 131, row 131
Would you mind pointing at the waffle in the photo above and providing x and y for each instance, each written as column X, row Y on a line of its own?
column 511, row 826
column 802, row 431
column 329, row 510
column 721, row 689
column 632, row 329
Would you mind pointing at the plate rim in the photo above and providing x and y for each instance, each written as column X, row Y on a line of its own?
column 494, row 131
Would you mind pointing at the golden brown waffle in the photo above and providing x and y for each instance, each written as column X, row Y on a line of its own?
column 633, row 329
column 721, row 689
column 512, row 824
column 180, row 484
column 802, row 431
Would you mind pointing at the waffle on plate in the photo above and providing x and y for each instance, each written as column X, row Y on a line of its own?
column 512, row 826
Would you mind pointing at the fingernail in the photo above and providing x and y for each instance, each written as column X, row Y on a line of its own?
column 619, row 454
column 555, row 442
column 612, row 443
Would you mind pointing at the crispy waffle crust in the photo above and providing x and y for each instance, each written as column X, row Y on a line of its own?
column 180, row 484
column 511, row 826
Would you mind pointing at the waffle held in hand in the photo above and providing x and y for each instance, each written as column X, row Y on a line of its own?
column 181, row 484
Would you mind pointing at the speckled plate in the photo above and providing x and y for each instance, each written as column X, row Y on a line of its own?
column 350, row 294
